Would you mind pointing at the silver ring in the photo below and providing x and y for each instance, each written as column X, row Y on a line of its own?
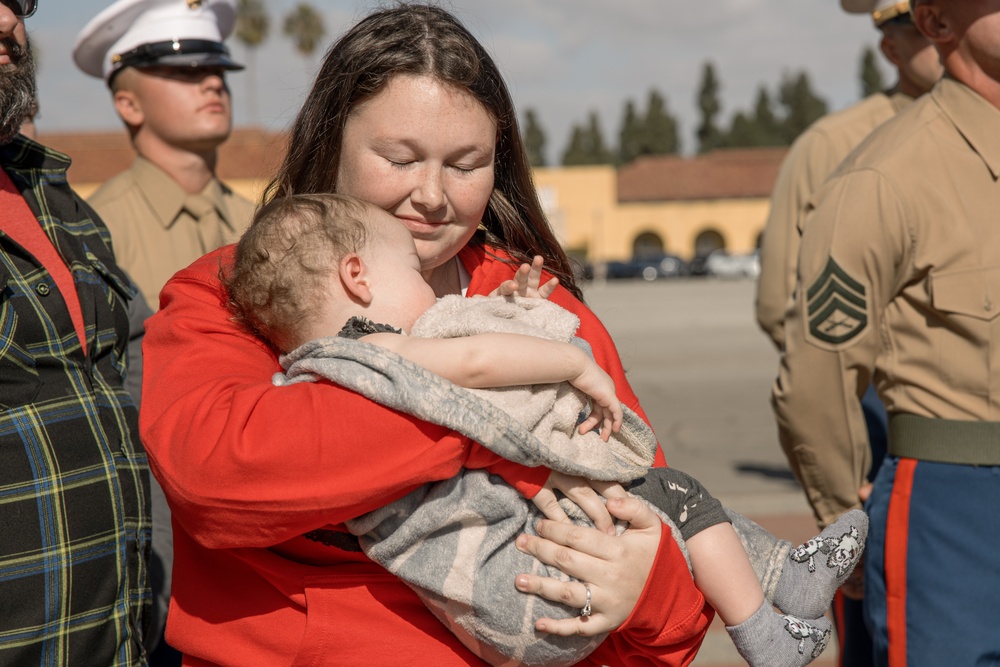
column 585, row 612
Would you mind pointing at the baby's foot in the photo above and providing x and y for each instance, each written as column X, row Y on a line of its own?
column 815, row 570
column 768, row 638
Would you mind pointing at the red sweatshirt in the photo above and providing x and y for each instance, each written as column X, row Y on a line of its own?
column 259, row 479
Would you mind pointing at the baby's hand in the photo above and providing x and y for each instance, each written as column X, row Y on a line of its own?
column 606, row 409
column 526, row 282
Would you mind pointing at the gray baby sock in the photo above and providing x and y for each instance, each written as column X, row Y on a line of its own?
column 815, row 570
column 768, row 638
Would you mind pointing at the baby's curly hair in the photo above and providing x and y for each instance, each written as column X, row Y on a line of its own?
column 285, row 258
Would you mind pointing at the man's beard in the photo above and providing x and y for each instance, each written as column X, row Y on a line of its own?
column 17, row 90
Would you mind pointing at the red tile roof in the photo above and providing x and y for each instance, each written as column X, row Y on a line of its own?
column 252, row 154
column 249, row 153
column 721, row 174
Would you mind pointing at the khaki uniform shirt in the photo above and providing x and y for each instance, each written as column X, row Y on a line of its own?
column 898, row 279
column 810, row 161
column 153, row 234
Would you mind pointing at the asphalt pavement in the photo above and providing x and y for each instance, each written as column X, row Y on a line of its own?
column 703, row 370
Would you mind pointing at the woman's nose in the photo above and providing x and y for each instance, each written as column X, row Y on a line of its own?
column 429, row 190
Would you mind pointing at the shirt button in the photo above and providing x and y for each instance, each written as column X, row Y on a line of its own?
column 987, row 305
column 42, row 289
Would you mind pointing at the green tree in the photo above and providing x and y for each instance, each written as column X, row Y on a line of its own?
column 534, row 139
column 661, row 133
column 709, row 135
column 743, row 132
column 757, row 128
column 802, row 105
column 630, row 139
column 304, row 25
column 768, row 125
column 871, row 76
column 587, row 145
column 253, row 24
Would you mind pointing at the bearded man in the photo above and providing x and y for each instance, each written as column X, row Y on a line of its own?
column 74, row 508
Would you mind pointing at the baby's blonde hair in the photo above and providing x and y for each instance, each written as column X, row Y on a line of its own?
column 284, row 261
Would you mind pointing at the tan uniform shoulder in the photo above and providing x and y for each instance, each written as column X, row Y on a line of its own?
column 112, row 189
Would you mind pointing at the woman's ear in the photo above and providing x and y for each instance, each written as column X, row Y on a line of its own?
column 355, row 278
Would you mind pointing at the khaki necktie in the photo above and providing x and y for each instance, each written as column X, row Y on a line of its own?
column 207, row 220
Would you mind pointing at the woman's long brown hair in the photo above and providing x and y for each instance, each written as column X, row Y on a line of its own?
column 419, row 39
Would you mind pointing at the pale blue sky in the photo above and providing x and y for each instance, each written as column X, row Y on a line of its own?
column 561, row 57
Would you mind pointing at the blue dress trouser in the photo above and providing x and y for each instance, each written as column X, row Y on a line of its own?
column 932, row 564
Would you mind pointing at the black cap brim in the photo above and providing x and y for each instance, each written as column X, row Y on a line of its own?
column 193, row 60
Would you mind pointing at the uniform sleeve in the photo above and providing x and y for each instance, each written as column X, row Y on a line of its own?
column 248, row 464
column 854, row 250
column 802, row 173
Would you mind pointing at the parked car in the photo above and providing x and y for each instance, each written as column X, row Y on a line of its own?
column 696, row 267
column 648, row 267
column 723, row 265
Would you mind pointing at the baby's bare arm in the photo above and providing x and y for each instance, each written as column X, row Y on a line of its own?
column 505, row 360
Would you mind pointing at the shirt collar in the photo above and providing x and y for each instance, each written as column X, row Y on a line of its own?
column 898, row 100
column 976, row 119
column 166, row 198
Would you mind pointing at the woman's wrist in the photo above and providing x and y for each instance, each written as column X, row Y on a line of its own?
column 660, row 615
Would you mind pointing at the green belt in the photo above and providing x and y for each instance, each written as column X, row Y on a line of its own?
column 944, row 440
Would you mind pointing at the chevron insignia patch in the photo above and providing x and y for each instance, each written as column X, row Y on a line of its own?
column 836, row 306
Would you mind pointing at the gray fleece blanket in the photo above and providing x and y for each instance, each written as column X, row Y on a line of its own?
column 453, row 541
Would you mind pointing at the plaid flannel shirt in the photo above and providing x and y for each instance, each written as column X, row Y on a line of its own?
column 74, row 504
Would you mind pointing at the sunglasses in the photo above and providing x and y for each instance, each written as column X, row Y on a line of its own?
column 21, row 8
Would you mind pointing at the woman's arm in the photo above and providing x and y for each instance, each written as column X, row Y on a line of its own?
column 248, row 464
column 507, row 360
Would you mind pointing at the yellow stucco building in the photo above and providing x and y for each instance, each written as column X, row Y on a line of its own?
column 686, row 206
column 682, row 206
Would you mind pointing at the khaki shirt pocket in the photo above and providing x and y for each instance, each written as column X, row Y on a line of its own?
column 967, row 303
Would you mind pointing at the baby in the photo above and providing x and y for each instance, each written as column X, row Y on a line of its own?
column 315, row 265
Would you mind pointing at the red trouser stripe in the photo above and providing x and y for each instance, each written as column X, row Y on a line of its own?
column 896, row 537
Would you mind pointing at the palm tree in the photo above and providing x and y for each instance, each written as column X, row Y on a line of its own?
column 253, row 23
column 304, row 25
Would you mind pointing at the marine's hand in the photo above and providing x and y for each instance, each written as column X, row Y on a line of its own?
column 526, row 282
column 615, row 568
column 586, row 493
column 854, row 586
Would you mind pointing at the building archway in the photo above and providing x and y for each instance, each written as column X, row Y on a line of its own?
column 707, row 242
column 647, row 244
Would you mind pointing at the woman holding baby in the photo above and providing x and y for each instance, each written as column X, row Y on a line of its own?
column 407, row 112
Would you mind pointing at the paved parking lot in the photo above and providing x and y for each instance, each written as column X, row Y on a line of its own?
column 703, row 371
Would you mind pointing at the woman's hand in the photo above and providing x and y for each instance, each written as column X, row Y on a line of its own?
column 605, row 408
column 615, row 569
column 526, row 282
